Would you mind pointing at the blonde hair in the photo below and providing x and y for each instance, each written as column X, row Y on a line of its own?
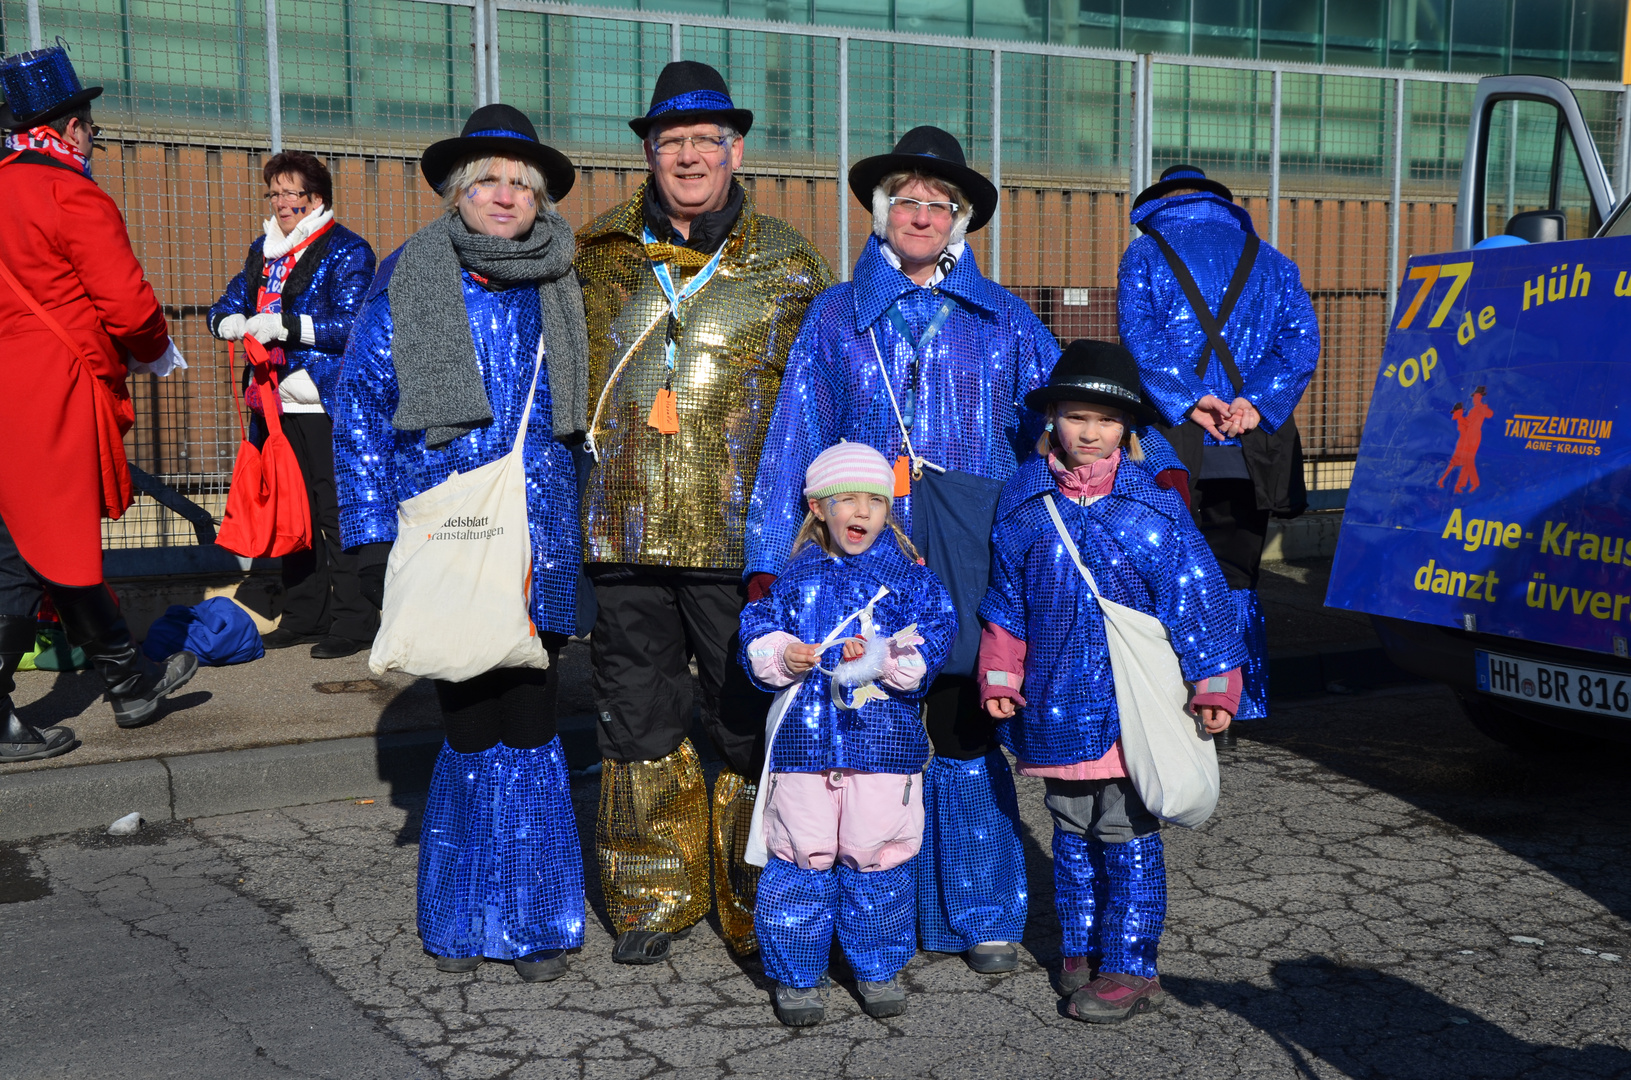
column 892, row 183
column 815, row 531
column 1129, row 438
column 471, row 169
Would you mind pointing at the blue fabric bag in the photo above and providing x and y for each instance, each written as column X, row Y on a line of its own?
column 952, row 517
column 218, row 631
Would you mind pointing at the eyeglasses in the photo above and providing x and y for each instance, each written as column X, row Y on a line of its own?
column 275, row 197
column 669, row 145
column 912, row 206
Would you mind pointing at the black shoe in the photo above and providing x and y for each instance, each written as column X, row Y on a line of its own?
column 992, row 957
column 135, row 685
column 543, row 966
column 24, row 742
column 644, row 946
column 283, row 639
column 136, row 701
column 458, row 965
column 1225, row 739
column 333, row 647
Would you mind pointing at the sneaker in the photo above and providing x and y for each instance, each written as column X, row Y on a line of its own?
column 542, row 966
column 992, row 957
column 1075, row 973
column 882, row 999
column 1113, row 997
column 799, row 1006
column 458, row 965
column 136, row 701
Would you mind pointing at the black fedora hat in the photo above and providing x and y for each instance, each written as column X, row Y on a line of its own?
column 688, row 91
column 930, row 150
column 505, row 130
column 1097, row 372
column 39, row 87
column 1181, row 176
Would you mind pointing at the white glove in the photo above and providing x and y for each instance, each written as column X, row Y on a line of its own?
column 265, row 328
column 231, row 327
column 170, row 360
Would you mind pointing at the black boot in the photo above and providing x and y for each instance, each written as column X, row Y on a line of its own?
column 20, row 741
column 135, row 685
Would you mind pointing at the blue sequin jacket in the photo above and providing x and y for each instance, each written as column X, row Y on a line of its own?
column 328, row 283
column 816, row 591
column 967, row 412
column 1145, row 552
column 1272, row 331
column 377, row 466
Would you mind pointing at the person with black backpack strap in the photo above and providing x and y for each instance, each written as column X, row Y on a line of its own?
column 1226, row 340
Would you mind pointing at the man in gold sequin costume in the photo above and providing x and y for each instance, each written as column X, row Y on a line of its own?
column 693, row 300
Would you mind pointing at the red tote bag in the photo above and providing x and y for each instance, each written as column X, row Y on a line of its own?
column 267, row 509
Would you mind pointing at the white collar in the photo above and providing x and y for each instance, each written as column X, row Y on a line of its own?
column 942, row 268
column 278, row 245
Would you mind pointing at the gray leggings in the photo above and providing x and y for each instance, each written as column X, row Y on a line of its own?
column 1109, row 811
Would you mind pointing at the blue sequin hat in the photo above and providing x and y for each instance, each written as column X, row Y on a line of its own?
column 688, row 91
column 504, row 131
column 40, row 86
column 1097, row 372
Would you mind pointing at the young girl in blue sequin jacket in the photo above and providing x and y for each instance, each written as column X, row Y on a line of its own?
column 851, row 635
column 1045, row 670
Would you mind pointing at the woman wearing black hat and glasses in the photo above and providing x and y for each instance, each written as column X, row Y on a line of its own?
column 476, row 315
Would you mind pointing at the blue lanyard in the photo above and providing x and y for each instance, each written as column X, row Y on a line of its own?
column 899, row 322
column 675, row 298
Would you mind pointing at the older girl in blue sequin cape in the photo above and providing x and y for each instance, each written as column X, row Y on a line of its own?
column 850, row 635
column 1045, row 668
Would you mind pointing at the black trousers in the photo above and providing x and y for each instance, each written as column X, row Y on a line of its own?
column 651, row 623
column 20, row 587
column 513, row 706
column 1234, row 528
column 322, row 593
column 958, row 726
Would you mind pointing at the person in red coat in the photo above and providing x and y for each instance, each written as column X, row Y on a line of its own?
column 77, row 313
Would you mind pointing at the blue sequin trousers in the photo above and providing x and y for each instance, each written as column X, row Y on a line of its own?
column 1254, row 673
column 971, row 871
column 797, row 912
column 500, row 866
column 1112, row 899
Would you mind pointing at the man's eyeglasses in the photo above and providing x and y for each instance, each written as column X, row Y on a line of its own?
column 285, row 196
column 912, row 206
column 669, row 145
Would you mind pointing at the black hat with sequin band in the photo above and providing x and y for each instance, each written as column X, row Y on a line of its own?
column 687, row 92
column 505, row 131
column 1182, row 176
column 40, row 86
column 1097, row 372
column 930, row 150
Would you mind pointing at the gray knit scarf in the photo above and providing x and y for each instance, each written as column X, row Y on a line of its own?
column 439, row 383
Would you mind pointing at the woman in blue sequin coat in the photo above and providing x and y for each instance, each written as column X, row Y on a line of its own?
column 1045, row 662
column 436, row 378
column 851, row 634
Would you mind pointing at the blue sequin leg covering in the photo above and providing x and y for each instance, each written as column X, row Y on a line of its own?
column 500, row 866
column 971, row 871
column 1254, row 674
column 793, row 918
column 875, row 919
column 1079, row 886
column 1136, row 905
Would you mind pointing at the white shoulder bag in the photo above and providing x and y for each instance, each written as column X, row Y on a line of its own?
column 1171, row 760
column 458, row 586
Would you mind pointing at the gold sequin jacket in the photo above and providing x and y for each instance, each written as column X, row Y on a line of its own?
column 681, row 500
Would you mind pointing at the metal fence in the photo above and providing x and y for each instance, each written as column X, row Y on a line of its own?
column 1347, row 170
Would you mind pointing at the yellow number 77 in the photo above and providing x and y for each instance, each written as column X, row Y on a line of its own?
column 1428, row 275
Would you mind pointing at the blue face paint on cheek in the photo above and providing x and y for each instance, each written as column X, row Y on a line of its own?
column 470, row 196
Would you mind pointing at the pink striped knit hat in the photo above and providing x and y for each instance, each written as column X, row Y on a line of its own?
column 849, row 466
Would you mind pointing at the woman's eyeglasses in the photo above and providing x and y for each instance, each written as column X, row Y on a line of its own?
column 912, row 206
column 276, row 197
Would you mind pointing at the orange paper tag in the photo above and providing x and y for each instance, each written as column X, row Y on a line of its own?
column 903, row 477
column 665, row 413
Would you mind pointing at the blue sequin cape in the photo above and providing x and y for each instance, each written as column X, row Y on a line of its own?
column 377, row 466
column 807, row 601
column 1145, row 552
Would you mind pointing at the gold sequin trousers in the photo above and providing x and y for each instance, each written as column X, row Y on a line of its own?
column 656, row 838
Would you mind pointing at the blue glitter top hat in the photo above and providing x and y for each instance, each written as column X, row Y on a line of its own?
column 40, row 86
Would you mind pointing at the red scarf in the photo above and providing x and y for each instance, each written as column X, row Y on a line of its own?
column 43, row 140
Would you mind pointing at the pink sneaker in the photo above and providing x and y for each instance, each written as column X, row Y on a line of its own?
column 1113, row 997
column 1076, row 973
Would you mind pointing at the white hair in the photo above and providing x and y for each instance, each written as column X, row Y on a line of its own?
column 471, row 169
column 897, row 180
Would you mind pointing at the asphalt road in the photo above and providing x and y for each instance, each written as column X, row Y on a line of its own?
column 1383, row 893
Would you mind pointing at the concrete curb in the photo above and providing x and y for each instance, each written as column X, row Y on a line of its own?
column 224, row 782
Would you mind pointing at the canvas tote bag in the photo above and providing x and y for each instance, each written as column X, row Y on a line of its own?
column 1171, row 760
column 458, row 584
column 268, row 512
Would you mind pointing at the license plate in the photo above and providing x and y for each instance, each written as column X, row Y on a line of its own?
column 1561, row 686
